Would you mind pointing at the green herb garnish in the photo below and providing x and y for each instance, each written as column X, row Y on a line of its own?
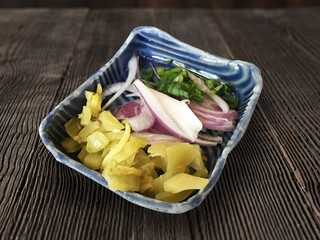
column 146, row 74
column 176, row 82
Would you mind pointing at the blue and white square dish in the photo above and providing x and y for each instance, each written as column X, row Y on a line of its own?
column 152, row 44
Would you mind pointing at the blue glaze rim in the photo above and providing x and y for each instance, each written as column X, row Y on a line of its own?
column 194, row 201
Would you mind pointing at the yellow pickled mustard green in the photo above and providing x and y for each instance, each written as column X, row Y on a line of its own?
column 159, row 149
column 70, row 145
column 85, row 116
column 88, row 95
column 146, row 183
column 82, row 154
column 124, row 170
column 95, row 105
column 173, row 197
column 168, row 172
column 122, row 142
column 109, row 122
column 109, row 147
column 96, row 142
column 182, row 181
column 179, row 155
column 86, row 131
column 73, row 127
column 114, row 136
column 125, row 183
column 93, row 160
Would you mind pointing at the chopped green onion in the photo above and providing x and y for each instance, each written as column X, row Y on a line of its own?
column 216, row 89
column 184, row 74
column 196, row 95
column 160, row 70
column 179, row 78
column 172, row 88
column 176, row 70
column 146, row 74
column 211, row 83
column 226, row 90
column 177, row 82
column 148, row 84
column 232, row 102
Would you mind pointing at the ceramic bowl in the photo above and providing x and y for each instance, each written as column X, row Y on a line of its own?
column 153, row 44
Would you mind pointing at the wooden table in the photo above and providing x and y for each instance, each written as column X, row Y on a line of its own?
column 269, row 188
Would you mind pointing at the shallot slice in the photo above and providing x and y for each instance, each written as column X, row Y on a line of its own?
column 172, row 114
column 203, row 87
column 209, row 137
column 137, row 115
column 133, row 69
column 111, row 89
column 156, row 137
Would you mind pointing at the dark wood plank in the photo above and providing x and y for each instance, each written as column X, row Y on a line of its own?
column 198, row 33
column 289, row 103
column 38, row 49
column 216, row 4
column 299, row 35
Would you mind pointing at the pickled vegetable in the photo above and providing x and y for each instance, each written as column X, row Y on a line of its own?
column 124, row 139
column 173, row 197
column 73, row 127
column 123, row 182
column 70, row 145
column 109, row 122
column 82, row 154
column 183, row 181
column 169, row 172
column 86, row 131
column 96, row 142
column 85, row 116
column 179, row 155
column 93, row 160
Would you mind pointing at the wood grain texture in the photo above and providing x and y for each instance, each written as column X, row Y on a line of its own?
column 269, row 188
column 297, row 94
column 216, row 4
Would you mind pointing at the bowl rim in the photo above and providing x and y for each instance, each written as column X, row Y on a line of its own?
column 136, row 198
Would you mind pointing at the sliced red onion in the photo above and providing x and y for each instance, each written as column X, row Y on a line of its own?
column 228, row 126
column 132, row 89
column 200, row 114
column 128, row 110
column 222, row 103
column 204, row 142
column 153, row 138
column 186, row 101
column 173, row 115
column 154, row 71
column 232, row 114
column 144, row 120
column 133, row 68
column 209, row 137
column 156, row 137
column 204, row 129
column 203, row 87
column 131, row 95
column 208, row 103
column 137, row 115
column 158, row 128
column 111, row 89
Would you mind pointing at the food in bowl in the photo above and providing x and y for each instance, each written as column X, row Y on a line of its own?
column 152, row 144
